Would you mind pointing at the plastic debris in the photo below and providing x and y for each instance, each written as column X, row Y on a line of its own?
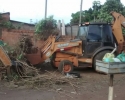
column 121, row 57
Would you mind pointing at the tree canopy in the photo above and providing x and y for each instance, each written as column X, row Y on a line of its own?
column 46, row 27
column 111, row 5
column 45, row 24
column 99, row 12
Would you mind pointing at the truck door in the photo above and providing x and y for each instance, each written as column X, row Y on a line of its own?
column 82, row 36
column 94, row 39
column 107, row 36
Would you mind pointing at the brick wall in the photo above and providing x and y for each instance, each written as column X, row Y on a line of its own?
column 12, row 37
column 6, row 16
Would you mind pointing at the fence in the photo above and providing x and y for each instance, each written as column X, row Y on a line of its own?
column 71, row 30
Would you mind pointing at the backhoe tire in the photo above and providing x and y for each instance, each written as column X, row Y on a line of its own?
column 65, row 66
column 99, row 56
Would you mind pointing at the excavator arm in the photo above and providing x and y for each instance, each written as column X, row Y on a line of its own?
column 118, row 23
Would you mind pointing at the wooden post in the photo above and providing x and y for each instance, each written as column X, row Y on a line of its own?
column 110, row 96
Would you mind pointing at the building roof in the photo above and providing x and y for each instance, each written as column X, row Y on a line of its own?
column 17, row 21
column 5, row 13
column 22, row 22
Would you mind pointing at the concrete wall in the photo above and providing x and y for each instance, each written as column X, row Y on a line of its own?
column 72, row 29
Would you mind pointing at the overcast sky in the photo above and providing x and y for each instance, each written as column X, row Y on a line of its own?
column 24, row 10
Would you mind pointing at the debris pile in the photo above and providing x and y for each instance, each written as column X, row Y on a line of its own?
column 23, row 73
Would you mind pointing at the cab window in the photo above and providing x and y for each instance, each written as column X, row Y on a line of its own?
column 94, row 32
column 83, row 32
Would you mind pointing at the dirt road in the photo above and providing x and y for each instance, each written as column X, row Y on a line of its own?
column 94, row 87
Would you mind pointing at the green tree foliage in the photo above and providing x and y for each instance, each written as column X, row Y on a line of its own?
column 96, row 8
column 5, row 24
column 45, row 24
column 75, row 17
column 110, row 5
column 46, row 27
column 87, row 15
column 8, row 25
column 99, row 12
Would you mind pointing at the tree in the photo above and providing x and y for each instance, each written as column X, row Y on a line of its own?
column 96, row 8
column 75, row 17
column 111, row 5
column 45, row 24
column 46, row 27
column 86, row 16
column 99, row 12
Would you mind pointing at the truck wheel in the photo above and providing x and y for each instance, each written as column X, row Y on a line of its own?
column 65, row 66
column 99, row 56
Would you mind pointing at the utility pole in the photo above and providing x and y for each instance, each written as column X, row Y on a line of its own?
column 80, row 12
column 45, row 9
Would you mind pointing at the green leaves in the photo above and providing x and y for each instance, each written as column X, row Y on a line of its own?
column 7, row 25
column 110, row 5
column 99, row 12
column 87, row 15
column 45, row 24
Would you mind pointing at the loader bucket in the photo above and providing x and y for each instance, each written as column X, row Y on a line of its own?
column 34, row 58
column 41, row 55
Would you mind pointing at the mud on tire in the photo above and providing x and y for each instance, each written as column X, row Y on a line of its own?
column 65, row 66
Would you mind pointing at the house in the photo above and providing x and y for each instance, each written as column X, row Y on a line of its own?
column 17, row 24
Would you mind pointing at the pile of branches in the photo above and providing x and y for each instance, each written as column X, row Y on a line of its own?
column 17, row 55
column 48, row 79
column 23, row 74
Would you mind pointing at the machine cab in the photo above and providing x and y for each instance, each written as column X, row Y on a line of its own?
column 95, row 36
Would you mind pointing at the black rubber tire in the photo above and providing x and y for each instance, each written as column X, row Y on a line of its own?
column 65, row 62
column 99, row 56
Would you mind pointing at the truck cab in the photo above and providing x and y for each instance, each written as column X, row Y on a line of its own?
column 95, row 37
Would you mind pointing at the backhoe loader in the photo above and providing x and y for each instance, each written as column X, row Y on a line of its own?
column 93, row 41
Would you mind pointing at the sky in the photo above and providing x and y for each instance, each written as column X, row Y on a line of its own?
column 25, row 10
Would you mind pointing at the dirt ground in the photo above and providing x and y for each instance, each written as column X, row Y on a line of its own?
column 94, row 86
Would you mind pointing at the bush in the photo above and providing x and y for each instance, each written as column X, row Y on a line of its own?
column 46, row 27
column 45, row 24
